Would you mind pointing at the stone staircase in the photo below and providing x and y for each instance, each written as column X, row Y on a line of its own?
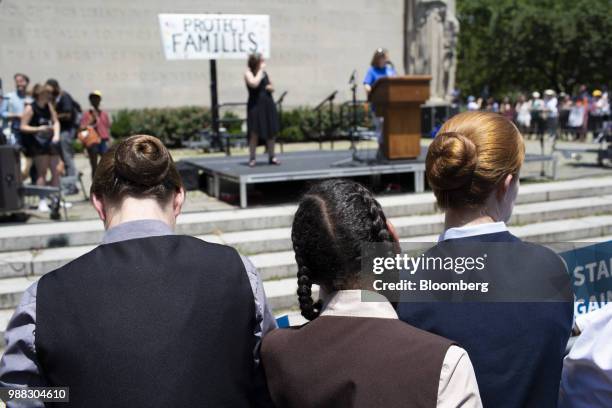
column 575, row 210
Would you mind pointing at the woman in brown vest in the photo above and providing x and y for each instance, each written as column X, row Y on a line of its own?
column 354, row 353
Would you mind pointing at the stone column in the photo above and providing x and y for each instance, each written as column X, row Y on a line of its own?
column 431, row 29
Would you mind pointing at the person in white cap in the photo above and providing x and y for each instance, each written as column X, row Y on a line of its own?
column 599, row 109
column 472, row 104
column 537, row 117
column 551, row 113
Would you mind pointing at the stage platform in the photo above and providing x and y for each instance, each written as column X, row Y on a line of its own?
column 310, row 165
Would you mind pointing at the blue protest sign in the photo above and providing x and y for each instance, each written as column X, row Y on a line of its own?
column 590, row 268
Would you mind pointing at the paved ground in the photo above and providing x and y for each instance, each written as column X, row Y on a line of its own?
column 199, row 201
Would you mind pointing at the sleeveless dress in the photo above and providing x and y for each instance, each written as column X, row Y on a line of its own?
column 262, row 118
column 39, row 143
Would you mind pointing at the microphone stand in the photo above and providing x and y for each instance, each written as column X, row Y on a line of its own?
column 353, row 129
column 319, row 109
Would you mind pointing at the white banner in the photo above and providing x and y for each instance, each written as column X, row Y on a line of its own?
column 214, row 36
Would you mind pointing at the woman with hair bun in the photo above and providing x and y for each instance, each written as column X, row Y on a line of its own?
column 148, row 318
column 355, row 353
column 517, row 346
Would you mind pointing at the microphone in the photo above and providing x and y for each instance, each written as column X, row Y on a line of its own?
column 280, row 99
column 352, row 79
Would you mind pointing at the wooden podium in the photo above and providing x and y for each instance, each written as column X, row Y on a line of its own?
column 399, row 100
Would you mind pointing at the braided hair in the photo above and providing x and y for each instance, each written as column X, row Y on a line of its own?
column 333, row 220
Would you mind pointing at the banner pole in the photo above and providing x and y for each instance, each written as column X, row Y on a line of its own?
column 214, row 102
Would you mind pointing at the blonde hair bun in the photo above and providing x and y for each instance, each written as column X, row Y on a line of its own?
column 470, row 156
column 454, row 158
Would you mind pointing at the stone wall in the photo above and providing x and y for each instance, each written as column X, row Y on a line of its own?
column 115, row 46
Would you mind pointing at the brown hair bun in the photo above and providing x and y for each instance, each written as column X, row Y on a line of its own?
column 451, row 161
column 470, row 156
column 140, row 167
column 142, row 160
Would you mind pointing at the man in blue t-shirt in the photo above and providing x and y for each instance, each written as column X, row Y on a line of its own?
column 379, row 67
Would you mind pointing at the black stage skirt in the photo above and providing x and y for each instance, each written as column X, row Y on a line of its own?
column 262, row 117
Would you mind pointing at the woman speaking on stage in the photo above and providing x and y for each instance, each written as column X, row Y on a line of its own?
column 380, row 67
column 262, row 118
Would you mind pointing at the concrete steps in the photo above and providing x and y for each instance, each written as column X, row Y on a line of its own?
column 578, row 210
column 272, row 244
column 79, row 233
column 269, row 247
column 278, row 268
column 11, row 290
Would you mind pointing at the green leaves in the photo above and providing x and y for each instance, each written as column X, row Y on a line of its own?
column 175, row 125
column 525, row 45
column 171, row 125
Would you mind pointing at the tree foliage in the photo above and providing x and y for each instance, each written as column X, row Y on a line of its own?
column 508, row 46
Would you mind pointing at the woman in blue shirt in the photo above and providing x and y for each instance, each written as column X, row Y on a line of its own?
column 516, row 343
column 380, row 67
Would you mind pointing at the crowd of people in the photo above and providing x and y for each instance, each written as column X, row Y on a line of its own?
column 559, row 116
column 152, row 318
column 43, row 121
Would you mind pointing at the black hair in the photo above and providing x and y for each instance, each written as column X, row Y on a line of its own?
column 254, row 62
column 333, row 220
column 53, row 83
column 93, row 97
column 140, row 167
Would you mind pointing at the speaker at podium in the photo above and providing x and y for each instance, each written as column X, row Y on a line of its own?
column 398, row 100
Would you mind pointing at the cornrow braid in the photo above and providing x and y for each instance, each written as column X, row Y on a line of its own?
column 380, row 230
column 334, row 219
column 309, row 308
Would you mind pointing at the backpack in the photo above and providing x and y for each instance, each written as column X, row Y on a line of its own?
column 77, row 111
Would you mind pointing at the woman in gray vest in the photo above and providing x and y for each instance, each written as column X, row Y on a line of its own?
column 354, row 353
column 148, row 318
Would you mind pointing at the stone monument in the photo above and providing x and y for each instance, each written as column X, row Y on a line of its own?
column 431, row 36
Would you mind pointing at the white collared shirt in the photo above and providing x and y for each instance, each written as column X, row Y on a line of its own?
column 586, row 379
column 473, row 230
column 457, row 387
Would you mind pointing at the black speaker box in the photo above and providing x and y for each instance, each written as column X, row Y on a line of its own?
column 10, row 179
